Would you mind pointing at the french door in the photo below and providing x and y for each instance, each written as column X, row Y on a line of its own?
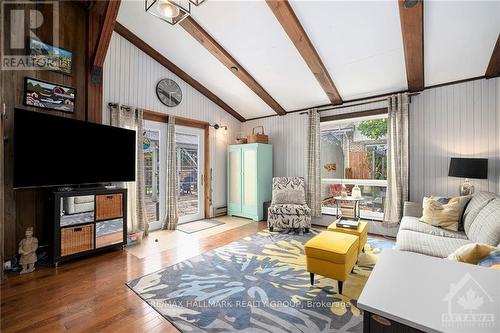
column 190, row 144
column 190, row 187
column 155, row 171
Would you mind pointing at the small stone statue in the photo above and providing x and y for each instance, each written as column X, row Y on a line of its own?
column 27, row 250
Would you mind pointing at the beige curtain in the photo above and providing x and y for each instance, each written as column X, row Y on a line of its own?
column 312, row 155
column 171, row 216
column 397, row 158
column 132, row 118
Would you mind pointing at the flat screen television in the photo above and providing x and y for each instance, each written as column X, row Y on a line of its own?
column 56, row 151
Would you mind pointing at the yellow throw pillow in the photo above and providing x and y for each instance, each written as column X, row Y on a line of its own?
column 441, row 212
column 471, row 253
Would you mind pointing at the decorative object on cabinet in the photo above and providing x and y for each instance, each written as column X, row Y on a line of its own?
column 241, row 138
column 258, row 137
column 101, row 225
column 169, row 93
column 249, row 183
column 48, row 95
column 27, row 249
column 50, row 57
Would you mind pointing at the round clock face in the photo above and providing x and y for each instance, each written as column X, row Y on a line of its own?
column 169, row 92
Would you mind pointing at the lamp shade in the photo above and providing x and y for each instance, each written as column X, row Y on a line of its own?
column 468, row 168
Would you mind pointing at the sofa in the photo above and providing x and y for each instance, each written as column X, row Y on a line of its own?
column 480, row 223
column 290, row 211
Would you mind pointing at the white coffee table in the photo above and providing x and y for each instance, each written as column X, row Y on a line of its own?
column 419, row 292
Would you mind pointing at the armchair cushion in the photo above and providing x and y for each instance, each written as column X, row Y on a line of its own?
column 287, row 196
column 290, row 209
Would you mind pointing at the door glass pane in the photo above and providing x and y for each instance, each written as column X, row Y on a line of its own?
column 187, row 173
column 152, row 173
column 234, row 177
column 250, row 178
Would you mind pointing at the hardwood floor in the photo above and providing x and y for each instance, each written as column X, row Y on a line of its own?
column 90, row 295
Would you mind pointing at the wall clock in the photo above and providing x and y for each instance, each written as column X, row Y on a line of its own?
column 169, row 92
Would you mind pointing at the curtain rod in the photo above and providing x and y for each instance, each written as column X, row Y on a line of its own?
column 121, row 106
column 357, row 104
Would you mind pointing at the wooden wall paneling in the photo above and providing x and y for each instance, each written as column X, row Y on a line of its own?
column 95, row 18
column 26, row 208
column 2, row 169
column 493, row 69
column 203, row 37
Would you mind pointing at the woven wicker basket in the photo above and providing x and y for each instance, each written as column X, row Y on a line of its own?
column 258, row 137
column 108, row 206
column 77, row 239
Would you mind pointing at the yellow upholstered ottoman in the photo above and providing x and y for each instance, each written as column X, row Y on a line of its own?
column 361, row 232
column 332, row 254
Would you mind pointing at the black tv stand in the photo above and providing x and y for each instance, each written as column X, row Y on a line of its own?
column 87, row 221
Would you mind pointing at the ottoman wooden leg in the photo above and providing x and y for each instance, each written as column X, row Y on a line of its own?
column 306, row 230
column 271, row 229
column 340, row 286
column 312, row 278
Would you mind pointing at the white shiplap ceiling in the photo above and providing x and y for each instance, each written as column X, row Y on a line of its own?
column 359, row 42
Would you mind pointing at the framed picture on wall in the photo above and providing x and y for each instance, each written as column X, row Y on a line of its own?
column 48, row 95
column 50, row 57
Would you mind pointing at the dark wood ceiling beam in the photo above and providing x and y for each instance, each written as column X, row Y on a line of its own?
column 493, row 69
column 146, row 48
column 290, row 23
column 412, row 29
column 108, row 24
column 208, row 42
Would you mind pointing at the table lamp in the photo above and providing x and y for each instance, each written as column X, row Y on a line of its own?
column 468, row 168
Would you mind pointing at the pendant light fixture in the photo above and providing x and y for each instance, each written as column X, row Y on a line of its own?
column 171, row 11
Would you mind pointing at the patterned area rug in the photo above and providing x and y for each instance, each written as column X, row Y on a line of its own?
column 257, row 284
column 195, row 226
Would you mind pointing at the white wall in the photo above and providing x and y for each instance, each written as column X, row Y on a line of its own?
column 460, row 120
column 455, row 120
column 130, row 78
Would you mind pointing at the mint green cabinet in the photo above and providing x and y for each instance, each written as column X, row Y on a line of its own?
column 249, row 179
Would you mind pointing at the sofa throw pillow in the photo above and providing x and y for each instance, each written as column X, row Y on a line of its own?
column 289, row 196
column 443, row 212
column 471, row 253
column 492, row 260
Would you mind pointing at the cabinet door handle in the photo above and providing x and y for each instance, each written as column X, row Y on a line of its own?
column 381, row 320
column 109, row 197
column 77, row 229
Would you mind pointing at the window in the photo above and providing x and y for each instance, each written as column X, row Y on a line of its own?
column 152, row 173
column 354, row 152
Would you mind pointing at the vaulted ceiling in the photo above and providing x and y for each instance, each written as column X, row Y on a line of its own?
column 299, row 55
